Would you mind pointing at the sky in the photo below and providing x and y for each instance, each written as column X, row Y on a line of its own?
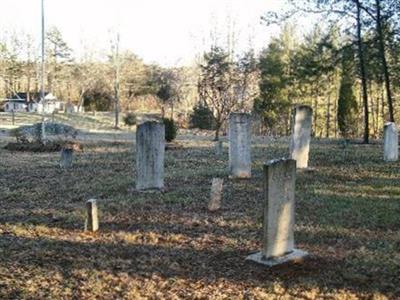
column 168, row 32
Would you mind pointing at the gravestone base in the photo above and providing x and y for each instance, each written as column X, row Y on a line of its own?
column 244, row 176
column 295, row 256
column 133, row 190
column 307, row 170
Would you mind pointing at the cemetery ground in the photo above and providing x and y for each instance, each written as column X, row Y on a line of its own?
column 168, row 246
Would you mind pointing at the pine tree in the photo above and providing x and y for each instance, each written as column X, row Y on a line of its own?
column 276, row 82
column 347, row 102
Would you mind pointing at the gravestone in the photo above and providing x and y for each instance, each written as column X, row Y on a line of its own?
column 278, row 215
column 92, row 219
column 43, row 136
column 240, row 145
column 391, row 142
column 301, row 135
column 218, row 148
column 66, row 157
column 150, row 149
column 216, row 194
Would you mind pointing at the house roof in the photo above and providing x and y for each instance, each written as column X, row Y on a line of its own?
column 15, row 100
column 33, row 97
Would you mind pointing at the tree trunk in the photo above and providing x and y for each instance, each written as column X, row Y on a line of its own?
column 315, row 111
column 382, row 55
column 162, row 110
column 217, row 130
column 335, row 103
column 28, row 91
column 116, row 101
column 362, row 73
column 382, row 105
column 81, row 98
column 328, row 115
column 372, row 109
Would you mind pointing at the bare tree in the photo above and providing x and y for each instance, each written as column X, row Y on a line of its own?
column 116, row 67
column 217, row 86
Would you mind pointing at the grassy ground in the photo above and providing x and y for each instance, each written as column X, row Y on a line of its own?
column 100, row 121
column 84, row 121
column 167, row 246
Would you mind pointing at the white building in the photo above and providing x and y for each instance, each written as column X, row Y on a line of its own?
column 16, row 105
column 24, row 102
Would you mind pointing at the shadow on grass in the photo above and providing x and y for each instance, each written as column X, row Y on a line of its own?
column 327, row 274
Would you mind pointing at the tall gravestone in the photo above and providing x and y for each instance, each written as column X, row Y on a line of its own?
column 279, row 211
column 301, row 135
column 391, row 142
column 150, row 149
column 240, row 145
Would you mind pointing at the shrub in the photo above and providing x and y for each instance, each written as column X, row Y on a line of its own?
column 130, row 119
column 202, row 117
column 170, row 129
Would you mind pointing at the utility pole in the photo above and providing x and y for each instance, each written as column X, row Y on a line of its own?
column 116, row 82
column 42, row 94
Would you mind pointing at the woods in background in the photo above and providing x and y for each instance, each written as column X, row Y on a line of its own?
column 313, row 67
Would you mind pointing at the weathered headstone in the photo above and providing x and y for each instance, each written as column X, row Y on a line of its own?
column 279, row 212
column 391, row 142
column 150, row 150
column 218, row 148
column 66, row 157
column 92, row 218
column 301, row 135
column 240, row 145
column 216, row 194
column 43, row 136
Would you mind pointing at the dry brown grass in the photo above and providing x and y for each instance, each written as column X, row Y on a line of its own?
column 167, row 246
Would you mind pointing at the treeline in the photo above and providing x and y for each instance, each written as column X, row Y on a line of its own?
column 93, row 80
column 346, row 68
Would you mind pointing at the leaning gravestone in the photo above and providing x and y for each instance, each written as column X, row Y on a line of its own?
column 150, row 149
column 216, row 194
column 301, row 135
column 391, row 142
column 92, row 218
column 66, row 157
column 240, row 145
column 279, row 212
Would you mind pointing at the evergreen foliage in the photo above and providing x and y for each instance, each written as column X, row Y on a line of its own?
column 202, row 117
column 171, row 130
column 347, row 102
column 130, row 119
